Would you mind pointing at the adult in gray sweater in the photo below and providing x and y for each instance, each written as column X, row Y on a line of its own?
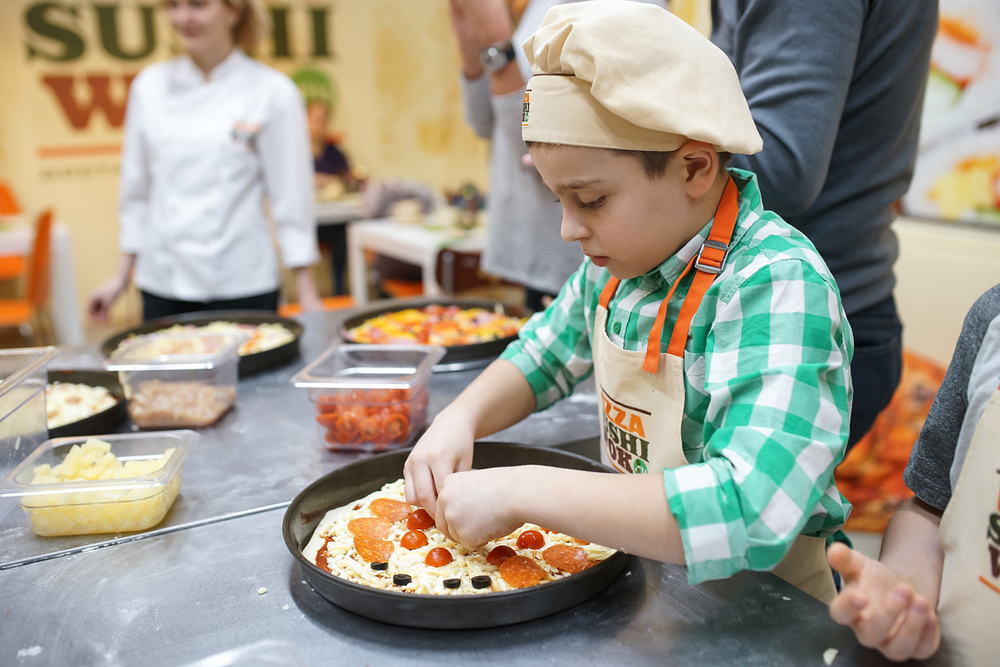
column 836, row 90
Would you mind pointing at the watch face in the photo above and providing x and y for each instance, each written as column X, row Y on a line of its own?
column 495, row 56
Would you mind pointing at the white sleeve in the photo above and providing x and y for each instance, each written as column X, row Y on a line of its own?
column 134, row 179
column 286, row 162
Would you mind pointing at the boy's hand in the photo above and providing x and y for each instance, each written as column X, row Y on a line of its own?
column 445, row 448
column 883, row 609
column 479, row 505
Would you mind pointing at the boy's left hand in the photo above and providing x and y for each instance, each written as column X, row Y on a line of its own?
column 476, row 506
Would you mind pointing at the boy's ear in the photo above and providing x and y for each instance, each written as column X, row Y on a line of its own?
column 700, row 163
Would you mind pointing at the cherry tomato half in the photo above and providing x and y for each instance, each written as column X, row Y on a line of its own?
column 499, row 554
column 438, row 557
column 396, row 427
column 419, row 520
column 370, row 428
column 413, row 539
column 530, row 539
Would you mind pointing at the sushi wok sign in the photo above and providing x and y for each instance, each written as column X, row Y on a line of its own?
column 79, row 59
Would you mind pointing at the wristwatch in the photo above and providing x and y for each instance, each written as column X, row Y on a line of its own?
column 496, row 56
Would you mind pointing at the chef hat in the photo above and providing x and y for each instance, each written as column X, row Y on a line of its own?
column 632, row 76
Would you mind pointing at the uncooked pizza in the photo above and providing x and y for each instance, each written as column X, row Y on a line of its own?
column 383, row 542
column 68, row 402
column 260, row 337
column 437, row 325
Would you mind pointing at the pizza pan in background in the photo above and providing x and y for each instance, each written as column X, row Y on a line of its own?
column 358, row 479
column 105, row 421
column 249, row 363
column 457, row 357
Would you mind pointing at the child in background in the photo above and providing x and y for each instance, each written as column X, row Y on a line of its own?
column 630, row 117
column 939, row 570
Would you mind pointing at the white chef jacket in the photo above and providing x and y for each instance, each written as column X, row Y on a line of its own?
column 199, row 157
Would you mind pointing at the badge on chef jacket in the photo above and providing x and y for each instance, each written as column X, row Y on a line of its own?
column 244, row 134
column 991, row 574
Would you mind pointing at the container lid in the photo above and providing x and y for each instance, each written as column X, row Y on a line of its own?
column 20, row 363
column 125, row 446
column 176, row 352
column 359, row 366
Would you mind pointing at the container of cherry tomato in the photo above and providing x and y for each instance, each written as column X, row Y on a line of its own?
column 370, row 398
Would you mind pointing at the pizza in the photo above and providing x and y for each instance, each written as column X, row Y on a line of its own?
column 260, row 337
column 68, row 402
column 383, row 542
column 447, row 326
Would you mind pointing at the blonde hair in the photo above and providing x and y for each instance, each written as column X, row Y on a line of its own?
column 254, row 24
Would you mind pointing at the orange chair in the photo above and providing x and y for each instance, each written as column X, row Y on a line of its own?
column 32, row 307
column 329, row 303
column 11, row 266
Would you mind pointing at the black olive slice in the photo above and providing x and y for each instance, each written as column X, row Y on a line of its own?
column 481, row 581
column 401, row 579
column 380, row 566
column 452, row 583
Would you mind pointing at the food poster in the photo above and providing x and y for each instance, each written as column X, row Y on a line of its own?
column 957, row 175
column 389, row 67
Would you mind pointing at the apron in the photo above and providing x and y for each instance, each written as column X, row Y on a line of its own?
column 641, row 412
column 969, row 604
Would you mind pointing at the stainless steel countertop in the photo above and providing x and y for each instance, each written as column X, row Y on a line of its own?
column 187, row 591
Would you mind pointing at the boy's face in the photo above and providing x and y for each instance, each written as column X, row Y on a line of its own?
column 623, row 220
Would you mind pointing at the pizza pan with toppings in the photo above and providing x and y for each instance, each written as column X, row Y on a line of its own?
column 347, row 485
column 457, row 356
column 250, row 361
column 97, row 418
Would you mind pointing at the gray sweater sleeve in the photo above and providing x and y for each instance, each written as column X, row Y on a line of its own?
column 927, row 473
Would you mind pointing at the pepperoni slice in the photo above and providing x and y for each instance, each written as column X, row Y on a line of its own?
column 566, row 558
column 393, row 510
column 521, row 572
column 372, row 527
column 373, row 550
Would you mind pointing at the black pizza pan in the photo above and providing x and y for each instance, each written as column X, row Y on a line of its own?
column 104, row 421
column 249, row 363
column 456, row 357
column 488, row 610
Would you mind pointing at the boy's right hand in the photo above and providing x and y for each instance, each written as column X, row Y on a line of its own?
column 883, row 609
column 445, row 448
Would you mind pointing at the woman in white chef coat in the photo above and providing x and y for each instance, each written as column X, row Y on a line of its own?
column 209, row 136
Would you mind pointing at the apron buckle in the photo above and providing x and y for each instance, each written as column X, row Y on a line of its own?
column 715, row 265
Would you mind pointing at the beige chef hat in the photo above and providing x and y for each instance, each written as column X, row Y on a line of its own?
column 628, row 75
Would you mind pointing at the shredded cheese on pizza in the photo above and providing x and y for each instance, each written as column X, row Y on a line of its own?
column 334, row 548
column 260, row 337
column 68, row 402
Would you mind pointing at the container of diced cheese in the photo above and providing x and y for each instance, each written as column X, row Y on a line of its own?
column 105, row 484
column 183, row 380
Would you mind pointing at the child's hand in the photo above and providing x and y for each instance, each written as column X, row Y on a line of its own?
column 445, row 448
column 479, row 505
column 883, row 609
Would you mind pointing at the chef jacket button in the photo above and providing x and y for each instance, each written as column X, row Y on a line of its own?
column 618, row 327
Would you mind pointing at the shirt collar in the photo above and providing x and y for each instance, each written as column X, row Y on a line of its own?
column 190, row 72
column 749, row 202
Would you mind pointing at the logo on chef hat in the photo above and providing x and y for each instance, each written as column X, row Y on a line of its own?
column 524, row 107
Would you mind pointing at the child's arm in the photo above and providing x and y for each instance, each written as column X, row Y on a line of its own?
column 627, row 512
column 890, row 603
column 498, row 398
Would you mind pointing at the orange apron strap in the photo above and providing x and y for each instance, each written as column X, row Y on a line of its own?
column 652, row 360
column 708, row 262
column 609, row 291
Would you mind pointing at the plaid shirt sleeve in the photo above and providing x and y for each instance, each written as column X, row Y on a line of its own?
column 777, row 355
column 553, row 348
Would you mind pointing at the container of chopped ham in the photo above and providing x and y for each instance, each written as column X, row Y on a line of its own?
column 183, row 380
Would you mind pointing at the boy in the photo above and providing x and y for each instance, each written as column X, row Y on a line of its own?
column 939, row 570
column 628, row 118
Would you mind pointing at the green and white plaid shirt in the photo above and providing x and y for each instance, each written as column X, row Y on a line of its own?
column 767, row 386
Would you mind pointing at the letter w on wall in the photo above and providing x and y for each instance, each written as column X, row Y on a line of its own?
column 78, row 112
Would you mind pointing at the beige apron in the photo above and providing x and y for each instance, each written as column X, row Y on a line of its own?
column 642, row 411
column 969, row 606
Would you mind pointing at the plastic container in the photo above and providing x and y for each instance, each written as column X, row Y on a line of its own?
column 81, row 506
column 370, row 397
column 185, row 380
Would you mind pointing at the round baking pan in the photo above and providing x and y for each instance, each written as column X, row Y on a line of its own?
column 457, row 357
column 431, row 611
column 104, row 421
column 249, row 363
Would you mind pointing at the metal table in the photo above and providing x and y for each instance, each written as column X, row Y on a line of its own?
column 187, row 591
